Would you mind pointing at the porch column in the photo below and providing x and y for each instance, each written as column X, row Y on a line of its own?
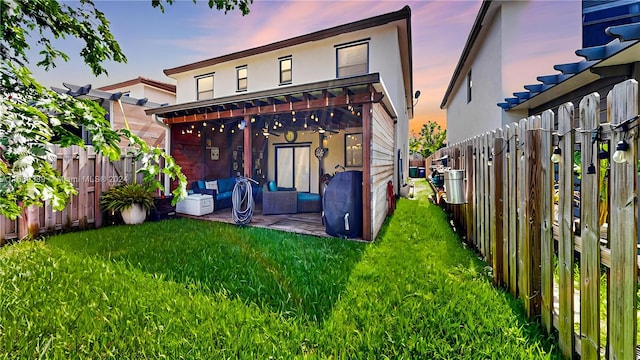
column 366, row 171
column 248, row 153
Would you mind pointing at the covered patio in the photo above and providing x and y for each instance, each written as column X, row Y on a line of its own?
column 296, row 135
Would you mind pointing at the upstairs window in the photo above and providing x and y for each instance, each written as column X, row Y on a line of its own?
column 241, row 74
column 352, row 59
column 204, row 85
column 285, row 70
column 469, row 86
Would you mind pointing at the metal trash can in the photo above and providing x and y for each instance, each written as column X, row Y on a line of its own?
column 454, row 186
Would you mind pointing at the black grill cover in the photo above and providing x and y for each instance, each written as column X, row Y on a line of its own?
column 342, row 205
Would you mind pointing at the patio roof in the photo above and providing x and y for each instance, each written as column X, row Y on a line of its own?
column 624, row 49
column 87, row 92
column 306, row 97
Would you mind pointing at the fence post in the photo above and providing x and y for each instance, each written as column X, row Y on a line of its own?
column 532, row 295
column 546, row 236
column 623, row 105
column 497, row 213
column 565, row 222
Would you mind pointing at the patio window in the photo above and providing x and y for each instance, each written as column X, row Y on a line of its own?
column 353, row 149
column 204, row 86
column 242, row 74
column 285, row 70
column 293, row 167
column 352, row 59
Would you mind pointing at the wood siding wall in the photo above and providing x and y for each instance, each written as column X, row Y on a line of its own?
column 140, row 124
column 382, row 163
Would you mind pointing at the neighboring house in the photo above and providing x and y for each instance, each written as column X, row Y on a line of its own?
column 135, row 96
column 487, row 67
column 603, row 66
column 304, row 106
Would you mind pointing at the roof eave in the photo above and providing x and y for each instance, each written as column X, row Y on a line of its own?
column 379, row 20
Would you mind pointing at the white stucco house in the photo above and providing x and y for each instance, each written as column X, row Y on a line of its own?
column 304, row 106
column 129, row 99
column 485, row 75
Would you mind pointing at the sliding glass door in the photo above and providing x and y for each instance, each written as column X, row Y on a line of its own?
column 293, row 167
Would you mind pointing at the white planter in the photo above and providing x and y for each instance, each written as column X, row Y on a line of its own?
column 134, row 214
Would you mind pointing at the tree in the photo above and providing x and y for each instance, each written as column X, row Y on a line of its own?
column 431, row 138
column 33, row 118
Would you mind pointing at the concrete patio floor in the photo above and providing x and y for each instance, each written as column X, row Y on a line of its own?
column 301, row 223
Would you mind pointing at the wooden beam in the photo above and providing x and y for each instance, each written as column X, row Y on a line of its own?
column 248, row 153
column 270, row 109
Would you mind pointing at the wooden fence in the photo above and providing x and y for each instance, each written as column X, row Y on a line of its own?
column 565, row 243
column 91, row 174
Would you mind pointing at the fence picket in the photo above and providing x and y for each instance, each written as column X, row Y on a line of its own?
column 496, row 213
column 532, row 295
column 623, row 105
column 589, row 230
column 546, row 236
column 513, row 209
column 522, row 203
column 565, row 238
column 469, row 173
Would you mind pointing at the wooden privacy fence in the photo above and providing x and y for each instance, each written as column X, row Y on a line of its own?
column 91, row 174
column 561, row 239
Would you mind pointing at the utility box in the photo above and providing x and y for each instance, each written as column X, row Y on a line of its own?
column 196, row 204
column 454, row 186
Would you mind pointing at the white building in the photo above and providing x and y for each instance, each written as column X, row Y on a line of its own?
column 491, row 66
column 336, row 97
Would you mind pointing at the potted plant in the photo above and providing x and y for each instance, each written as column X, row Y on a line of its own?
column 131, row 200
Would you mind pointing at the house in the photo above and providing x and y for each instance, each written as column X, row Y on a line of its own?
column 603, row 66
column 125, row 103
column 491, row 66
column 294, row 110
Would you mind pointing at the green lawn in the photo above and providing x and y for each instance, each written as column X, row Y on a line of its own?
column 200, row 290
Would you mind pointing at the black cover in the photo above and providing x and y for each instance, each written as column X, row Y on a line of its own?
column 343, row 196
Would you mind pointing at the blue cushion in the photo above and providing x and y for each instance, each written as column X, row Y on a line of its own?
column 224, row 195
column 226, row 185
column 272, row 186
column 308, row 197
column 201, row 184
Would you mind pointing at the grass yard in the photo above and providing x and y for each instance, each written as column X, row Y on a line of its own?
column 200, row 290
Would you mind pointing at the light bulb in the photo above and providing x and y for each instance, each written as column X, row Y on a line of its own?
column 621, row 151
column 555, row 158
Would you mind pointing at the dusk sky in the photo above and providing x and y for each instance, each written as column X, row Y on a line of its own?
column 187, row 32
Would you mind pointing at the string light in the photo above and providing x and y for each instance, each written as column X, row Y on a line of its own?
column 621, row 151
column 555, row 158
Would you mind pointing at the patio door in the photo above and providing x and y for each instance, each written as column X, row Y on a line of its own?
column 292, row 167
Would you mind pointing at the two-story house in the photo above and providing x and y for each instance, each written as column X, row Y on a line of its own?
column 294, row 110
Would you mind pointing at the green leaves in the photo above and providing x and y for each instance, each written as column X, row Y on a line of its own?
column 431, row 139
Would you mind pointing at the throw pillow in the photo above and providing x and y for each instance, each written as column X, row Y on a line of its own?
column 211, row 185
column 272, row 186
